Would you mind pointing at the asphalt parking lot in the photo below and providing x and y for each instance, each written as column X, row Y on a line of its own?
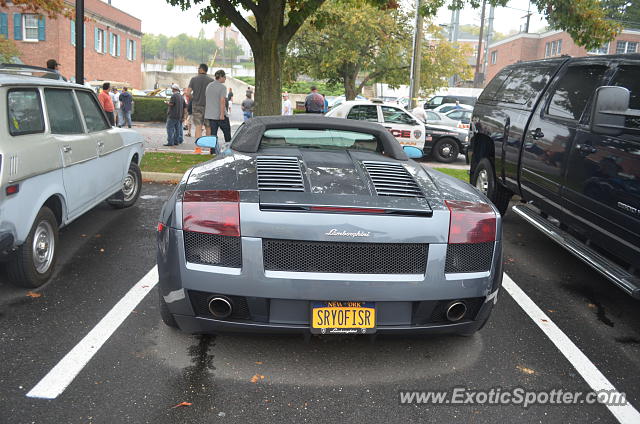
column 144, row 370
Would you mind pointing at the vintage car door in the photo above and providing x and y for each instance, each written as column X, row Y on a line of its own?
column 78, row 150
column 112, row 161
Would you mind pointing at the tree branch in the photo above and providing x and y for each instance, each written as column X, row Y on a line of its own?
column 376, row 74
column 250, row 5
column 296, row 19
column 238, row 20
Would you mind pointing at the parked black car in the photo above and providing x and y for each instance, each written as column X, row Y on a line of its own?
column 436, row 101
column 445, row 143
column 564, row 135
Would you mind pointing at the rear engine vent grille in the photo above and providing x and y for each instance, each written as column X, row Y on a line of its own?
column 392, row 179
column 344, row 257
column 472, row 257
column 210, row 249
column 278, row 173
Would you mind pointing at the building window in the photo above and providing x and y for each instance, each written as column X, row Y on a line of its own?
column 114, row 45
column 494, row 57
column 626, row 47
column 131, row 50
column 602, row 50
column 547, row 50
column 100, row 41
column 553, row 48
column 30, row 27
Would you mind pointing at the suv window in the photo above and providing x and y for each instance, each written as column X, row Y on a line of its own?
column 364, row 113
column 627, row 77
column 24, row 111
column 524, row 84
column 572, row 92
column 436, row 101
column 490, row 91
column 93, row 115
column 64, row 117
column 394, row 115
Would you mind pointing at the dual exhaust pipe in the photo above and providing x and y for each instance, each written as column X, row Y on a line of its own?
column 220, row 307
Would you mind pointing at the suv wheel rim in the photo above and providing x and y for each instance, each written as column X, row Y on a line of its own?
column 482, row 182
column 130, row 186
column 43, row 247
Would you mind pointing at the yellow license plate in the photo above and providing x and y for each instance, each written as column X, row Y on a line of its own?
column 343, row 317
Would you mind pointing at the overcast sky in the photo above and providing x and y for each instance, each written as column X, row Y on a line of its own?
column 158, row 17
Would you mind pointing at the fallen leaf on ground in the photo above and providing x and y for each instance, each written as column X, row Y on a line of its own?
column 257, row 378
column 182, row 404
column 551, row 310
column 102, row 250
column 591, row 305
column 33, row 294
column 525, row 370
column 259, row 362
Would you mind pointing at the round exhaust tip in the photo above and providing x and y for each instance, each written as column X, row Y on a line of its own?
column 456, row 311
column 220, row 307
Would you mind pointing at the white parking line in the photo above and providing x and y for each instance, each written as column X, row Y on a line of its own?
column 625, row 414
column 57, row 380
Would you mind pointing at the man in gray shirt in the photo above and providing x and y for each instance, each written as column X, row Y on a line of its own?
column 216, row 107
column 197, row 87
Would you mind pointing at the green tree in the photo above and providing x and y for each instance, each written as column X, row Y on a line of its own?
column 277, row 21
column 626, row 12
column 8, row 50
column 348, row 39
column 441, row 60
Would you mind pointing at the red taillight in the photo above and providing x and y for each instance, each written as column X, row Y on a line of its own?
column 211, row 212
column 471, row 222
column 12, row 189
column 160, row 227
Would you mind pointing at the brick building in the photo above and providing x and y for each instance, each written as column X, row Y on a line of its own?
column 526, row 46
column 112, row 49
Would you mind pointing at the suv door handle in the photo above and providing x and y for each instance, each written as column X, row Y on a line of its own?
column 66, row 148
column 586, row 148
column 537, row 134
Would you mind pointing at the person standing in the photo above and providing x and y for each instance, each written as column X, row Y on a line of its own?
column 247, row 107
column 126, row 106
column 457, row 106
column 287, row 109
column 54, row 66
column 187, row 119
column 325, row 104
column 197, row 91
column 229, row 100
column 174, row 117
column 216, row 107
column 115, row 98
column 314, row 103
column 105, row 101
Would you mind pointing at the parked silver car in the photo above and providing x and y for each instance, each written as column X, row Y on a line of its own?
column 324, row 225
column 59, row 157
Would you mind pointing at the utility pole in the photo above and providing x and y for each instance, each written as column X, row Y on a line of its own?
column 528, row 16
column 224, row 45
column 414, row 85
column 80, row 42
column 454, row 29
column 477, row 79
column 485, row 54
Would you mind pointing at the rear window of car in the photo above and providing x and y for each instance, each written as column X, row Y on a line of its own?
column 24, row 111
column 320, row 139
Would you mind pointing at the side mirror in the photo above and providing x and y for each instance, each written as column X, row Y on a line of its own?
column 609, row 110
column 208, row 141
column 412, row 152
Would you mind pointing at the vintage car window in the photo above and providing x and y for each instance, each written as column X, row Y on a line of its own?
column 394, row 115
column 64, row 117
column 92, row 113
column 364, row 113
column 24, row 111
column 320, row 139
column 627, row 77
column 573, row 90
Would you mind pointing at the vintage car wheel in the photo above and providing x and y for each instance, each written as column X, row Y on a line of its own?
column 130, row 191
column 446, row 150
column 35, row 259
column 484, row 179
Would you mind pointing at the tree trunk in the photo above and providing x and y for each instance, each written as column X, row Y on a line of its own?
column 268, row 59
column 349, row 77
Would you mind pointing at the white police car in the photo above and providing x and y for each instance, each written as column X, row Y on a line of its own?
column 404, row 126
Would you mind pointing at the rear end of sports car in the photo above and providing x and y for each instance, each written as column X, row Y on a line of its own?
column 295, row 240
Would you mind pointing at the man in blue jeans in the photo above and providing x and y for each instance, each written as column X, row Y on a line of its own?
column 126, row 105
column 174, row 117
column 247, row 106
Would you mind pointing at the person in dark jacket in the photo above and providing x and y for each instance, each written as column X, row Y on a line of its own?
column 174, row 117
column 126, row 106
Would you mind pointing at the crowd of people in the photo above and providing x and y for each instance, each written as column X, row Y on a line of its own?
column 117, row 105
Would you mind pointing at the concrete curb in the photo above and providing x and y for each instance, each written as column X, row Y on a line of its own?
column 161, row 177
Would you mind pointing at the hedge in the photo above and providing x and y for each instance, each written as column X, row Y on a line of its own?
column 149, row 109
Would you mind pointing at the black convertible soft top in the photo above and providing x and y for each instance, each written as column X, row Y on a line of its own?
column 248, row 137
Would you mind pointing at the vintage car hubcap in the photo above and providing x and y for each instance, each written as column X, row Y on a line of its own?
column 129, row 187
column 43, row 247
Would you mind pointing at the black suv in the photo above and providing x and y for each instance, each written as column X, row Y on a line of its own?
column 564, row 135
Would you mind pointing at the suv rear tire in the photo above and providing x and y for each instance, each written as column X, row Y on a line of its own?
column 34, row 261
column 130, row 191
column 446, row 150
column 484, row 179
